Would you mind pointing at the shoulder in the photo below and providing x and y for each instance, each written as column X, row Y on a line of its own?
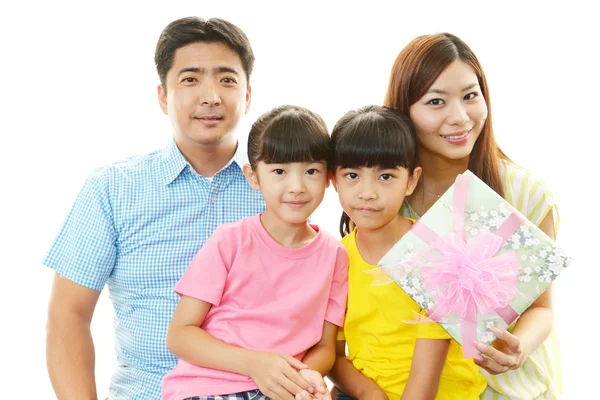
column 237, row 229
column 336, row 247
column 349, row 243
column 120, row 172
column 330, row 241
column 525, row 191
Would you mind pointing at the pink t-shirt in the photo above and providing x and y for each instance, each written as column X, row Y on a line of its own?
column 265, row 297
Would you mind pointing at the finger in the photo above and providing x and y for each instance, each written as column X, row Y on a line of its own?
column 303, row 395
column 279, row 392
column 496, row 355
column 315, row 379
column 511, row 340
column 294, row 362
column 293, row 382
column 321, row 386
column 490, row 365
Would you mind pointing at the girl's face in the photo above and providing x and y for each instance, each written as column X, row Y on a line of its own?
column 450, row 116
column 372, row 196
column 292, row 191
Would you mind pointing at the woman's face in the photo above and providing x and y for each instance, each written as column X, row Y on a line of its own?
column 450, row 116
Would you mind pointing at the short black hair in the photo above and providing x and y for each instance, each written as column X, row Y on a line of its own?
column 184, row 31
column 288, row 134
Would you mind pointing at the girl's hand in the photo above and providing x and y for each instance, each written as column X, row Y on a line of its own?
column 316, row 380
column 506, row 354
column 277, row 377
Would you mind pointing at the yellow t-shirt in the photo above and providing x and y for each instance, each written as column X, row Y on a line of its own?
column 381, row 345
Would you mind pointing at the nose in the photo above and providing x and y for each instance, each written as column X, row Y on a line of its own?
column 367, row 191
column 209, row 94
column 296, row 183
column 457, row 114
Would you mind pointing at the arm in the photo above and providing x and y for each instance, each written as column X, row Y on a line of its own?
column 321, row 356
column 69, row 347
column 320, row 359
column 274, row 374
column 531, row 330
column 426, row 368
column 350, row 380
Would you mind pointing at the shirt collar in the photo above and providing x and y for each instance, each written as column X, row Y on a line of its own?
column 174, row 162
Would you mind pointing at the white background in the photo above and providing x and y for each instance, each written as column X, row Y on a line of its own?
column 78, row 90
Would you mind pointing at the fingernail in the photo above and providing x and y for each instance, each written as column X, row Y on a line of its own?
column 480, row 346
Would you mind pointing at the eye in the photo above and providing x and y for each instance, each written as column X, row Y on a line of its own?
column 278, row 171
column 351, row 175
column 228, row 80
column 189, row 80
column 471, row 96
column 386, row 177
column 312, row 171
column 435, row 102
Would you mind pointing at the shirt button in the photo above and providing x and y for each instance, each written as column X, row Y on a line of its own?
column 213, row 198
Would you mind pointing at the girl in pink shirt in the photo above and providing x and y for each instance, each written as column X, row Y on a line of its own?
column 262, row 300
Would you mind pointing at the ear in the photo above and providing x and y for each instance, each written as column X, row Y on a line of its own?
column 332, row 179
column 248, row 98
column 162, row 99
column 413, row 180
column 251, row 176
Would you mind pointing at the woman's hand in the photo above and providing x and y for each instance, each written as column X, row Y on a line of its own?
column 506, row 353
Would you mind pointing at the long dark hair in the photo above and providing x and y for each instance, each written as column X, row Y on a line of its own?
column 372, row 136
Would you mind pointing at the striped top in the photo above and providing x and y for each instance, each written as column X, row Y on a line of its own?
column 539, row 377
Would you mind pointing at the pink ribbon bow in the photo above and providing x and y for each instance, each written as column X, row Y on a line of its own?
column 469, row 279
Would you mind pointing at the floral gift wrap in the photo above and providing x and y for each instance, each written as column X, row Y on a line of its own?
column 473, row 261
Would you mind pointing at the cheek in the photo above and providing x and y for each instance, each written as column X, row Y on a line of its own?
column 182, row 103
column 426, row 122
column 344, row 195
column 480, row 113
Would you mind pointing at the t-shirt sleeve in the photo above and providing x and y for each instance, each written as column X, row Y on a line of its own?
column 530, row 195
column 541, row 203
column 340, row 334
column 431, row 330
column 338, row 295
column 206, row 276
column 85, row 249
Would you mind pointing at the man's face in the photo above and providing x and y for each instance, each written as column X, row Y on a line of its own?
column 206, row 94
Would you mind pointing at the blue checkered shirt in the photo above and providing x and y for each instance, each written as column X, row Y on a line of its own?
column 135, row 226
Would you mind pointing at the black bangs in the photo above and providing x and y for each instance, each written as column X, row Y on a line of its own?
column 294, row 135
column 374, row 136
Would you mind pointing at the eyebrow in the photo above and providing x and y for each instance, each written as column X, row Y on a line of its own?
column 218, row 69
column 471, row 86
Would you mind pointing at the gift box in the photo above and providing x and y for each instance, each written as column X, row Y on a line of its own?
column 473, row 261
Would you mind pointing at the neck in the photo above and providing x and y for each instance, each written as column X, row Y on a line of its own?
column 439, row 172
column 286, row 234
column 207, row 159
column 373, row 244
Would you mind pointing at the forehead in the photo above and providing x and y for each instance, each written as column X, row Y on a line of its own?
column 458, row 74
column 206, row 55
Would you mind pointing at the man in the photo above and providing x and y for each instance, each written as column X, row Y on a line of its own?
column 136, row 224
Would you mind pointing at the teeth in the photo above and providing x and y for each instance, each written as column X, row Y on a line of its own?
column 456, row 137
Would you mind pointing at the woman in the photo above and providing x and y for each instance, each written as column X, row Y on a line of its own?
column 439, row 83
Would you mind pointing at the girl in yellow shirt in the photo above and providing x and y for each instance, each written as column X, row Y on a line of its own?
column 374, row 166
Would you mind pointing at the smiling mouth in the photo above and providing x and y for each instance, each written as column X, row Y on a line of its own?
column 210, row 120
column 458, row 138
column 296, row 204
column 367, row 210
